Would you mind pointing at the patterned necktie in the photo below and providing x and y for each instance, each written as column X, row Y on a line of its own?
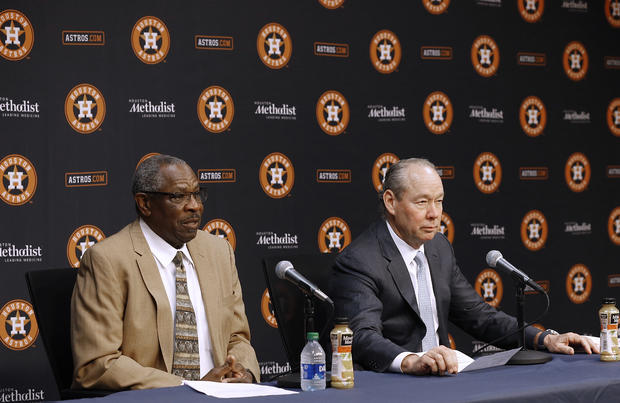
column 424, row 304
column 186, row 362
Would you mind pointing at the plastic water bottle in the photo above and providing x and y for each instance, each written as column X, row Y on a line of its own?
column 312, row 364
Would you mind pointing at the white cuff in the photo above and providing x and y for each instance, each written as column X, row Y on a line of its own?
column 395, row 365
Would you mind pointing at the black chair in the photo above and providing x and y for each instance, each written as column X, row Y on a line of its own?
column 288, row 302
column 50, row 291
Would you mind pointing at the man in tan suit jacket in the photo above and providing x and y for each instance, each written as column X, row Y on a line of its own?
column 122, row 328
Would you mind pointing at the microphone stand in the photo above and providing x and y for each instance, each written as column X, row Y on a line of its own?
column 308, row 316
column 525, row 356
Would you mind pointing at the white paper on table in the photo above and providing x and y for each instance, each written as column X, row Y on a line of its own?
column 231, row 390
column 466, row 363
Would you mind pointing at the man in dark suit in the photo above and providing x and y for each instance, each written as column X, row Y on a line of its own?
column 399, row 284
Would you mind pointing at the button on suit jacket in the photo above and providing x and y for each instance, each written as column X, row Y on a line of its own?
column 372, row 287
column 122, row 332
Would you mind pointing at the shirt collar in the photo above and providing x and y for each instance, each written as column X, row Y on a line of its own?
column 162, row 250
column 407, row 251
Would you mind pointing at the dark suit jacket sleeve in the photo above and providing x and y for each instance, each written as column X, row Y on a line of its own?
column 356, row 294
column 97, row 311
column 239, row 339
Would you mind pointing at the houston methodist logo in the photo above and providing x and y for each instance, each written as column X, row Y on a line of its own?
column 487, row 173
column 19, row 328
column 613, row 226
column 437, row 112
column 276, row 175
column 221, row 228
column 215, row 109
column 534, row 230
column 485, row 56
column 16, row 35
column 267, row 309
column 80, row 240
column 613, row 116
column 332, row 112
column 436, row 6
column 380, row 167
column 150, row 40
column 612, row 12
column 577, row 172
column 385, row 51
column 85, row 108
column 274, row 45
column 490, row 287
column 578, row 284
column 446, row 226
column 18, row 180
column 575, row 61
column 531, row 10
column 533, row 116
column 334, row 235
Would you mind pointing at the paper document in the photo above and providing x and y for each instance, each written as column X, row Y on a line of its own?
column 231, row 390
column 466, row 363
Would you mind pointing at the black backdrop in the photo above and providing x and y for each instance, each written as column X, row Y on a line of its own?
column 576, row 256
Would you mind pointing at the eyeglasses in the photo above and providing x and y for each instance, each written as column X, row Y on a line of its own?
column 183, row 198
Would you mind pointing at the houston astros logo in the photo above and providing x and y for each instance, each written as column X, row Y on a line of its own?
column 19, row 328
column 489, row 286
column 215, row 109
column 222, row 229
column 16, row 35
column 150, row 40
column 531, row 10
column 487, row 173
column 446, row 226
column 613, row 226
column 80, row 240
column 612, row 12
column 267, row 309
column 331, row 4
column 485, row 56
column 274, row 46
column 613, row 116
column 380, row 167
column 85, row 108
column 276, row 175
column 18, row 180
column 575, row 61
column 578, row 284
column 334, row 235
column 533, row 116
column 332, row 112
column 436, row 6
column 385, row 52
column 577, row 172
column 145, row 157
column 534, row 230
column 437, row 112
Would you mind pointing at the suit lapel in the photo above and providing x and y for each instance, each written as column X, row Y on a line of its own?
column 434, row 265
column 211, row 294
column 396, row 266
column 152, row 280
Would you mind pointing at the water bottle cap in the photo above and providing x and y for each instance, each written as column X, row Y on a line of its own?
column 609, row 300
column 312, row 336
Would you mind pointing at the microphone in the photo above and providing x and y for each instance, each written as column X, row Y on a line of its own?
column 285, row 271
column 495, row 259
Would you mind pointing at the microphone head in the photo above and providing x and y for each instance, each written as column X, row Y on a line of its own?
column 282, row 267
column 492, row 257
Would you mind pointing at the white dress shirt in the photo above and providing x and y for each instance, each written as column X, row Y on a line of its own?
column 408, row 254
column 164, row 253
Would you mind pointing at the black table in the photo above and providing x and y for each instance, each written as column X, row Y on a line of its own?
column 578, row 378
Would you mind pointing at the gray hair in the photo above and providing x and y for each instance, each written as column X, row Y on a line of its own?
column 396, row 178
column 147, row 177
